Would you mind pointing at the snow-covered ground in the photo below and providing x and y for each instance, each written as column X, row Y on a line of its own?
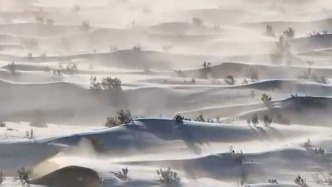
column 214, row 58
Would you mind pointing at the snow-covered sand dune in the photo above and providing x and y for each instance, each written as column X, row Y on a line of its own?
column 250, row 81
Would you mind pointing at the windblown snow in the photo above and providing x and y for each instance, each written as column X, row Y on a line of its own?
column 114, row 93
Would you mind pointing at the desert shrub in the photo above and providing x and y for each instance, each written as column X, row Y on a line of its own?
column 266, row 98
column 267, row 120
column 137, row 48
column 320, row 151
column 123, row 174
column 322, row 178
column 70, row 69
column 107, row 83
column 254, row 119
column 289, row 33
column 12, row 67
column 269, row 31
column 29, row 55
column 281, row 51
column 111, row 84
column 204, row 73
column 307, row 144
column 197, row 22
column 300, row 181
column 2, row 124
column 50, row 22
column 39, row 19
column 112, row 122
column 178, row 119
column 236, row 156
column 23, row 176
column 124, row 116
column 273, row 181
column 200, row 118
column 2, row 177
column 230, row 80
column 30, row 134
column 57, row 73
column 94, row 85
column 168, row 177
column 85, row 26
column 206, row 65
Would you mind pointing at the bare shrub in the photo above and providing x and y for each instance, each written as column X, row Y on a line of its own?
column 289, row 33
column 273, row 181
column 178, row 119
column 23, row 176
column 123, row 117
column 168, row 177
column 85, row 26
column 267, row 120
column 2, row 124
column 107, row 83
column 269, row 31
column 300, row 181
column 12, row 67
column 322, row 178
column 111, row 84
column 2, row 177
column 236, row 156
column 266, row 98
column 254, row 119
column 123, row 174
column 307, row 144
column 197, row 22
column 30, row 134
column 200, row 118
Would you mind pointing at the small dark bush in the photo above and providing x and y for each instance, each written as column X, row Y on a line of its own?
column 2, row 124
column 267, row 120
column 200, row 118
column 289, row 33
column 300, row 181
column 123, row 174
column 23, row 176
column 2, row 177
column 12, row 67
column 168, row 177
column 266, row 98
column 123, row 117
column 273, row 181
column 178, row 119
column 269, row 31
column 254, row 119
